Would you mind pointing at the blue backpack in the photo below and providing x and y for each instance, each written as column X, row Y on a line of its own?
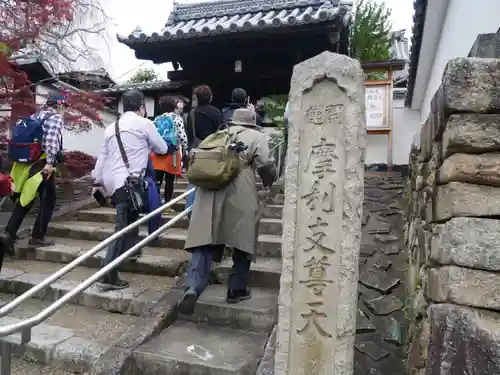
column 25, row 145
column 166, row 127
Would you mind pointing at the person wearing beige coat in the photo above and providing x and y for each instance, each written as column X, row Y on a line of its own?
column 229, row 217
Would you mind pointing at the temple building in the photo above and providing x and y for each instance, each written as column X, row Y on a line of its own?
column 252, row 44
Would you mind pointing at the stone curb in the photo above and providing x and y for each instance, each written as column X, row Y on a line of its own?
column 117, row 359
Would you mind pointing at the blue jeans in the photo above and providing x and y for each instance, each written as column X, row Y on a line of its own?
column 125, row 216
column 190, row 198
column 199, row 271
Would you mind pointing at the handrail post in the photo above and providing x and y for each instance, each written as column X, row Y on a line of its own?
column 5, row 357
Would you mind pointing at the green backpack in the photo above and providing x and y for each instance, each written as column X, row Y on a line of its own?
column 213, row 165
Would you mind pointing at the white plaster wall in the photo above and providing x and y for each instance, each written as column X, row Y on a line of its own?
column 406, row 123
column 89, row 142
column 464, row 21
column 150, row 106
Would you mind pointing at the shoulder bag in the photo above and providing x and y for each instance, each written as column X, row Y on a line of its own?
column 135, row 186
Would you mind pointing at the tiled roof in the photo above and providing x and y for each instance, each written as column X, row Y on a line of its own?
column 399, row 45
column 160, row 85
column 399, row 51
column 420, row 7
column 230, row 16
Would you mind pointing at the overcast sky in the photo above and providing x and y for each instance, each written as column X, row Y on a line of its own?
column 151, row 16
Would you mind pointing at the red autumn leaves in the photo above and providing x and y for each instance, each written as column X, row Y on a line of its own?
column 22, row 22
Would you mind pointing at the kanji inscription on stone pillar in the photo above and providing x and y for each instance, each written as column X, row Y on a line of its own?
column 322, row 218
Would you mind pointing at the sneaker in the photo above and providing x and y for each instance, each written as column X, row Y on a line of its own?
column 235, row 296
column 40, row 242
column 107, row 284
column 186, row 305
column 135, row 257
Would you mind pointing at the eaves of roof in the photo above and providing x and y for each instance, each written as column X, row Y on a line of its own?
column 212, row 18
column 149, row 86
column 420, row 7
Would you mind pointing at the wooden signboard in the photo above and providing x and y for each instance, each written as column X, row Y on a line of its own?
column 377, row 106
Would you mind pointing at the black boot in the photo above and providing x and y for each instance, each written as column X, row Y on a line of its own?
column 235, row 296
column 188, row 301
column 7, row 242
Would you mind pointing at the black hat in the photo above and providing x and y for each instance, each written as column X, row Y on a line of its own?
column 132, row 100
column 239, row 96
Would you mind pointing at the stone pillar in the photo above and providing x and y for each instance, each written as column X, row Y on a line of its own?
column 322, row 218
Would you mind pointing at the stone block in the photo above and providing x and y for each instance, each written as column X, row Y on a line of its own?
column 483, row 169
column 459, row 199
column 77, row 354
column 468, row 242
column 486, row 46
column 472, row 85
column 189, row 349
column 438, row 114
column 463, row 341
column 471, row 134
column 418, row 351
column 44, row 339
column 329, row 129
column 425, row 142
column 464, row 286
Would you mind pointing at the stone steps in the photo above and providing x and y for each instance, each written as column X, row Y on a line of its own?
column 257, row 314
column 269, row 245
column 188, row 348
column 73, row 338
column 107, row 215
column 218, row 339
column 265, row 272
column 26, row 367
column 18, row 276
column 274, row 211
column 181, row 184
column 154, row 261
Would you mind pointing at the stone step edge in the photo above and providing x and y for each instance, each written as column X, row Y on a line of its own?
column 125, row 301
column 54, row 345
column 146, row 264
column 107, row 211
column 142, row 231
column 268, row 244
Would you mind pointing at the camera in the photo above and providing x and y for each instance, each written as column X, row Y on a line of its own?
column 238, row 146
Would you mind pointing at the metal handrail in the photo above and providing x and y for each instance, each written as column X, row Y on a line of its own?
column 44, row 314
column 278, row 146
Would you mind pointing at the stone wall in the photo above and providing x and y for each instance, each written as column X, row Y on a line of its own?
column 453, row 225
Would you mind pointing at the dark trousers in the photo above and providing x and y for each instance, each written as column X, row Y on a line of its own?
column 47, row 194
column 169, row 183
column 125, row 215
column 201, row 263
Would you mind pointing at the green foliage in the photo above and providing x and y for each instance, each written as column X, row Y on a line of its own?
column 369, row 32
column 144, row 76
column 274, row 106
